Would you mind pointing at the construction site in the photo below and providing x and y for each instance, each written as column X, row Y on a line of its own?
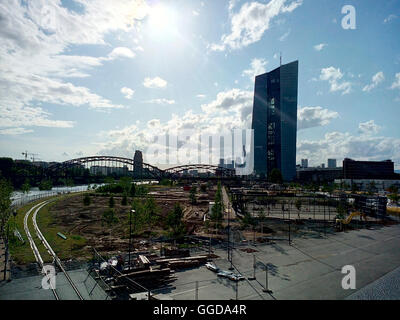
column 135, row 254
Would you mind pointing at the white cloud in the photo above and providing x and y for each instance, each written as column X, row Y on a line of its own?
column 127, row 92
column 340, row 145
column 232, row 4
column 161, row 101
column 121, row 52
column 376, row 79
column 368, row 127
column 333, row 75
column 320, row 46
column 195, row 13
column 201, row 96
column 257, row 67
column 14, row 131
column 284, row 36
column 36, row 37
column 396, row 83
column 309, row 117
column 230, row 110
column 252, row 20
column 231, row 100
column 19, row 116
column 156, row 82
column 390, row 18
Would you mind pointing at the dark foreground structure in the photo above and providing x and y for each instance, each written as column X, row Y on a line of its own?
column 275, row 121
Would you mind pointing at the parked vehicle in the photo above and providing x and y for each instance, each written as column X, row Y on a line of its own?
column 230, row 275
column 236, row 277
column 224, row 274
column 212, row 267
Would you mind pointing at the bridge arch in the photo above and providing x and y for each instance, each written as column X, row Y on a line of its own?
column 106, row 164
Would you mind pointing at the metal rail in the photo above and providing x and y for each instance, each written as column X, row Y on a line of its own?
column 32, row 243
column 52, row 253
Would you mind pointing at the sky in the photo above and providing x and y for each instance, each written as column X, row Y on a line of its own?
column 99, row 77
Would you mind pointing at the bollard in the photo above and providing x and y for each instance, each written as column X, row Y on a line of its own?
column 254, row 269
column 266, row 290
column 196, row 297
column 237, row 289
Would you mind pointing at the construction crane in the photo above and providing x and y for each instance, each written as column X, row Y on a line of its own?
column 26, row 153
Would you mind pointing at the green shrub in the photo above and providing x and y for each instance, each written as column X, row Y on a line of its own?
column 86, row 200
column 111, row 202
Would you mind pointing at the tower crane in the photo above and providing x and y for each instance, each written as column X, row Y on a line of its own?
column 26, row 154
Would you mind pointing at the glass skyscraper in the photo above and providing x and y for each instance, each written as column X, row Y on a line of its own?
column 275, row 121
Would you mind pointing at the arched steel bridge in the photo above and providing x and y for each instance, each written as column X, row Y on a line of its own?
column 139, row 169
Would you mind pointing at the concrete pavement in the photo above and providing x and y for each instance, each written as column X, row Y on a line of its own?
column 310, row 268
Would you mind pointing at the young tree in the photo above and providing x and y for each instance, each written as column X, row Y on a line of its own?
column 111, row 202
column 151, row 208
column 262, row 216
column 45, row 185
column 192, row 195
column 5, row 202
column 109, row 180
column 175, row 221
column 139, row 215
column 248, row 220
column 26, row 187
column 109, row 218
column 218, row 208
column 125, row 183
column 124, row 200
column 132, row 190
column 298, row 207
column 86, row 200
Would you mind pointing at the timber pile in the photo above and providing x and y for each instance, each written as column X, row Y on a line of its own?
column 180, row 263
column 150, row 278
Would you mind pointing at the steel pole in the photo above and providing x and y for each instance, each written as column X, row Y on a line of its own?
column 289, row 224
column 130, row 237
column 266, row 289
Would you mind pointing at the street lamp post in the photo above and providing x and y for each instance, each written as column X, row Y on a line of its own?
column 130, row 236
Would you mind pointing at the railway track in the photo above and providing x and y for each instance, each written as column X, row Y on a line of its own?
column 35, row 209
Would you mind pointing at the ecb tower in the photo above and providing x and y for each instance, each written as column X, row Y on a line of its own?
column 275, row 121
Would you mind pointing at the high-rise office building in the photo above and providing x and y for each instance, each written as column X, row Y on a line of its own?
column 304, row 163
column 331, row 163
column 275, row 121
column 138, row 163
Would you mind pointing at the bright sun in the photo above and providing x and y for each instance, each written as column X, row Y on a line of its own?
column 162, row 19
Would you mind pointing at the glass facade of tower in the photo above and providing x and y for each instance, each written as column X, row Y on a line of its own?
column 275, row 121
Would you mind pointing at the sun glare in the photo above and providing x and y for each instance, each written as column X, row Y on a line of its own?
column 162, row 19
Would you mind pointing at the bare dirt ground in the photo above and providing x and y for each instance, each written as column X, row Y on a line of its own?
column 86, row 221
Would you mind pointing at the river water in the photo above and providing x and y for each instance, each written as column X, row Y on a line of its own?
column 18, row 198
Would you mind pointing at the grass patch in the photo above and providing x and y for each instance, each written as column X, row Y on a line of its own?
column 72, row 247
column 21, row 253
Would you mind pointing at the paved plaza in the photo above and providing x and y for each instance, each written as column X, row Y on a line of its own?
column 306, row 269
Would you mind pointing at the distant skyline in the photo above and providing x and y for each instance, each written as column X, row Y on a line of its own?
column 103, row 77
